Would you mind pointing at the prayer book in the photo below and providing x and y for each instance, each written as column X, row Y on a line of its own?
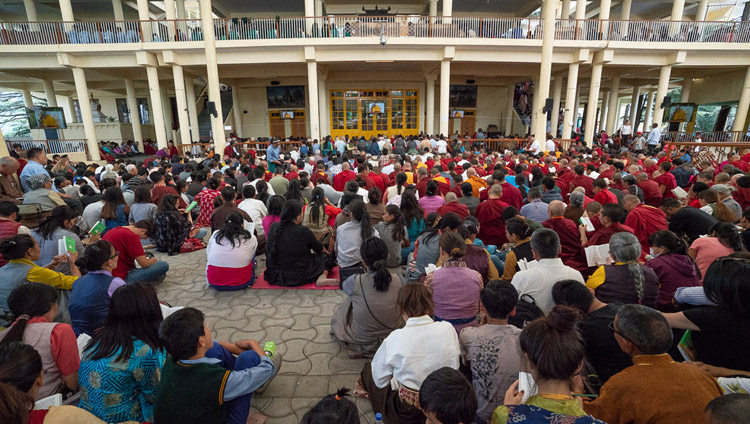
column 587, row 222
column 527, row 384
column 597, row 255
column 48, row 402
column 98, row 228
column 524, row 265
column 679, row 192
column 191, row 206
column 66, row 245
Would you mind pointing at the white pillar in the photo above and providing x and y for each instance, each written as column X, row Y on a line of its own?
column 70, row 113
column 447, row 11
column 626, row 6
column 66, row 10
column 580, row 10
column 557, row 95
column 743, row 106
column 445, row 86
column 182, row 112
column 534, row 108
column 570, row 100
column 678, row 6
column 30, row 7
column 312, row 89
column 309, row 13
column 649, row 106
column 429, row 106
column 565, row 10
column 28, row 101
column 545, row 69
column 604, row 9
column 318, row 8
column 192, row 110
column 613, row 114
column 143, row 13
column 604, row 110
column 49, row 93
column 166, row 107
column 156, row 106
column 135, row 116
column 509, row 112
column 594, row 86
column 702, row 11
column 661, row 92
column 181, row 9
column 433, row 10
column 171, row 15
column 117, row 10
column 323, row 108
column 214, row 91
column 634, row 104
column 89, row 129
column 237, row 111
column 687, row 83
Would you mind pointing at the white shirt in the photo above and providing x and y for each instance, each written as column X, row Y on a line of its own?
column 408, row 355
column 294, row 155
column 626, row 130
column 535, row 146
column 442, row 146
column 538, row 281
column 92, row 214
column 225, row 256
column 549, row 146
column 257, row 211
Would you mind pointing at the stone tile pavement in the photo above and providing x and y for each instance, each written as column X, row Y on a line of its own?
column 297, row 320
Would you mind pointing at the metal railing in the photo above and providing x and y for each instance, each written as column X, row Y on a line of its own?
column 53, row 146
column 109, row 32
column 707, row 137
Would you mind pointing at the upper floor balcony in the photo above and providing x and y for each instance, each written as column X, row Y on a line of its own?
column 332, row 27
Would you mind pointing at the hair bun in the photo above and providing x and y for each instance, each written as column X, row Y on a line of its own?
column 563, row 318
column 379, row 264
column 456, row 252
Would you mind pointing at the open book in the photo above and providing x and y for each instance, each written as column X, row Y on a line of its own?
column 524, row 265
column 598, row 255
column 66, row 245
column 48, row 402
column 679, row 192
column 527, row 384
column 587, row 222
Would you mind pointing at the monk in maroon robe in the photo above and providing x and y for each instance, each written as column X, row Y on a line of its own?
column 570, row 239
column 643, row 219
column 666, row 181
column 343, row 177
column 581, row 180
column 489, row 213
column 610, row 224
column 651, row 190
column 452, row 205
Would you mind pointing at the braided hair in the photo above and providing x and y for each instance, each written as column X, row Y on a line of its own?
column 626, row 248
column 291, row 210
column 318, row 203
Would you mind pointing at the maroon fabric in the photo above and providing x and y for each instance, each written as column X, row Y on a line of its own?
column 343, row 177
column 646, row 220
column 455, row 207
column 605, row 196
column 476, row 258
column 742, row 196
column 651, row 193
column 9, row 229
column 158, row 193
column 511, row 195
column 319, row 177
column 667, row 180
column 491, row 224
column 602, row 235
column 583, row 181
column 570, row 238
column 291, row 176
column 377, row 181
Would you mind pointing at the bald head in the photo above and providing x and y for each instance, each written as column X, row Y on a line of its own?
column 471, row 172
column 496, row 191
column 642, row 177
column 630, row 202
column 8, row 165
column 556, row 208
column 451, row 197
column 345, row 166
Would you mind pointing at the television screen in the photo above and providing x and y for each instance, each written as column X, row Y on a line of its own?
column 286, row 97
column 376, row 107
column 287, row 114
column 46, row 118
column 457, row 114
column 463, row 96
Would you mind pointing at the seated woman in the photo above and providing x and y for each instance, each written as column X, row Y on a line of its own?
column 368, row 314
column 123, row 360
column 672, row 266
column 471, row 224
column 289, row 261
column 275, row 206
column 455, row 287
column 407, row 356
column 89, row 300
column 20, row 251
column 320, row 216
column 349, row 238
column 432, row 201
column 719, row 331
column 227, row 207
column 414, row 217
column 41, row 193
column 394, row 234
column 710, row 203
column 476, row 258
column 172, row 228
column 519, row 235
column 230, row 255
column 554, row 350
column 626, row 281
column 143, row 208
column 723, row 240
column 33, row 307
column 426, row 249
column 52, row 229
column 375, row 206
column 115, row 210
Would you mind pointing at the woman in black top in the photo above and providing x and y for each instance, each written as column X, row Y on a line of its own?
column 289, row 262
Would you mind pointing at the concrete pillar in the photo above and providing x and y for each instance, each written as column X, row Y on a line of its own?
column 433, row 10
column 181, row 9
column 594, row 86
column 3, row 146
column 49, row 93
column 702, row 11
column 580, row 10
column 156, row 106
column 571, row 109
column 318, row 8
column 192, row 110
column 447, row 11
column 626, row 6
column 634, row 104
column 509, row 112
column 557, row 95
column 70, row 113
column 30, row 7
column 678, row 6
column 687, row 83
column 237, row 111
column 649, row 106
column 28, row 101
column 182, row 110
column 545, row 68
column 143, row 13
column 312, row 89
column 89, row 129
column 171, row 15
column 604, row 9
column 135, row 116
column 66, row 10
column 604, row 111
column 740, row 122
column 445, row 86
column 117, row 10
column 661, row 92
column 565, row 10
column 534, row 108
column 323, row 108
column 430, row 106
column 613, row 111
column 166, row 107
column 214, row 91
column 309, row 13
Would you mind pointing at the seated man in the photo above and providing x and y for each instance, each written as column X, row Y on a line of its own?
column 610, row 217
column 202, row 381
column 127, row 242
column 447, row 397
column 495, row 342
column 730, row 408
column 567, row 231
column 655, row 389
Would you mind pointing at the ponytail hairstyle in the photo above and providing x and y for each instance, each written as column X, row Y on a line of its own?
column 16, row 246
column 15, row 405
column 359, row 213
column 112, row 199
column 410, row 207
column 519, row 228
column 291, row 210
column 668, row 240
column 626, row 248
column 450, row 222
column 234, row 230
column 261, row 187
column 431, row 223
column 375, row 196
column 275, row 204
column 25, row 302
column 294, row 191
column 432, row 187
column 400, row 182
column 168, row 203
column 213, row 183
column 398, row 233
column 318, row 203
column 553, row 344
column 20, row 366
column 453, row 244
column 95, row 256
column 727, row 234
column 374, row 253
column 55, row 220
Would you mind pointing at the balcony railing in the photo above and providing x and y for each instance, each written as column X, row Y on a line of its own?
column 54, row 146
column 110, row 32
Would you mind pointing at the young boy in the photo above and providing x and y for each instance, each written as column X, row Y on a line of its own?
column 491, row 350
column 446, row 397
column 202, row 381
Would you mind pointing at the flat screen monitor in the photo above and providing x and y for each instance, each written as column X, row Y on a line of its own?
column 287, row 114
column 457, row 114
column 376, row 107
column 46, row 118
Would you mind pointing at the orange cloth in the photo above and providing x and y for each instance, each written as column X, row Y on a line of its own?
column 476, row 184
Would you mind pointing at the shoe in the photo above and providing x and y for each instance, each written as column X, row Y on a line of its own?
column 277, row 361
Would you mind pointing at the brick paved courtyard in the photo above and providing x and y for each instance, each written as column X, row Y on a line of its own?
column 297, row 320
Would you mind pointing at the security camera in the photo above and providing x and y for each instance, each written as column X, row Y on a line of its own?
column 383, row 39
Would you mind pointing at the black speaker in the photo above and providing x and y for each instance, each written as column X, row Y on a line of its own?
column 275, row 83
column 548, row 104
column 212, row 109
column 470, row 81
column 667, row 102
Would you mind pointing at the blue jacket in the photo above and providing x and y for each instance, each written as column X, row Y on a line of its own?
column 89, row 302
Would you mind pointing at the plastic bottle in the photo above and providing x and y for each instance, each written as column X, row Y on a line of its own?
column 269, row 348
column 378, row 417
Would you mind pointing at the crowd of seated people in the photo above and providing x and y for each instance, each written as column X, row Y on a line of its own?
column 526, row 310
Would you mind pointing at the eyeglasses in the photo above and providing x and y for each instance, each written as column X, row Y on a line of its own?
column 612, row 327
column 113, row 256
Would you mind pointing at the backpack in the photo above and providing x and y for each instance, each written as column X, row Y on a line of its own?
column 526, row 311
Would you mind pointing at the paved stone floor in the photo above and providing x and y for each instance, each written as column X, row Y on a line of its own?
column 297, row 320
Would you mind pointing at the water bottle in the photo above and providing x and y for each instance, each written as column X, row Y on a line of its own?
column 269, row 348
column 378, row 417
